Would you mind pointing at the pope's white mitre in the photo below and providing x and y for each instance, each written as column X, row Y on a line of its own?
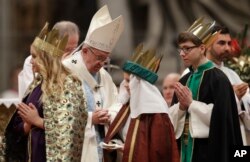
column 104, row 32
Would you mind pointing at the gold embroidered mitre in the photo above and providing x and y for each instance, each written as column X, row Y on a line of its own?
column 203, row 31
column 104, row 32
column 50, row 41
column 144, row 64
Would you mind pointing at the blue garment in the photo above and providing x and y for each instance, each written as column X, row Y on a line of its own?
column 91, row 107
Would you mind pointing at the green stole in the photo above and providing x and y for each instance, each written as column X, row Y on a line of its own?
column 193, row 84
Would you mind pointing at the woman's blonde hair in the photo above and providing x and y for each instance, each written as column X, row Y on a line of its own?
column 53, row 73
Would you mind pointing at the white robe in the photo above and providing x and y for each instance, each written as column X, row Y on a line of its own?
column 245, row 100
column 199, row 121
column 25, row 77
column 108, row 91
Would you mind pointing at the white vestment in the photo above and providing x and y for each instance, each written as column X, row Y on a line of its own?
column 25, row 77
column 106, row 89
column 245, row 100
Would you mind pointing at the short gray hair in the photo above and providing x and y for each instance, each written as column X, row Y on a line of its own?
column 67, row 27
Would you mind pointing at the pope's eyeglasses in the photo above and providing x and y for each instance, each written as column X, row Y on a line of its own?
column 99, row 58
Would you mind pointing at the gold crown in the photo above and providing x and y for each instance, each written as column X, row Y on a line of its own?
column 148, row 59
column 144, row 64
column 50, row 41
column 203, row 31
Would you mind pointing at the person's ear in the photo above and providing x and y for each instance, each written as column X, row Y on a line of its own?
column 85, row 50
column 203, row 48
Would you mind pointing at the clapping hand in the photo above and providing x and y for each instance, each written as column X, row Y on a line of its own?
column 184, row 96
column 30, row 115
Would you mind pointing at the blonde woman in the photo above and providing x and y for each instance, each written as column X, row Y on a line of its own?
column 53, row 113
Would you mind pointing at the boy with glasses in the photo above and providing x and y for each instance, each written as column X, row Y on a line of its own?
column 206, row 125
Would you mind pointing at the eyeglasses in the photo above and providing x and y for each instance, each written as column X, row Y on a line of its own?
column 99, row 58
column 187, row 49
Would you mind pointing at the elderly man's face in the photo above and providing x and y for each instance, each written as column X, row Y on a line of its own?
column 94, row 59
column 71, row 45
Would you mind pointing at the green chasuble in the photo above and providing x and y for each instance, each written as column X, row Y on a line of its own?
column 193, row 84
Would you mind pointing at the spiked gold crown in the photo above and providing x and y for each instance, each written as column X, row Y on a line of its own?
column 203, row 30
column 50, row 41
column 144, row 64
